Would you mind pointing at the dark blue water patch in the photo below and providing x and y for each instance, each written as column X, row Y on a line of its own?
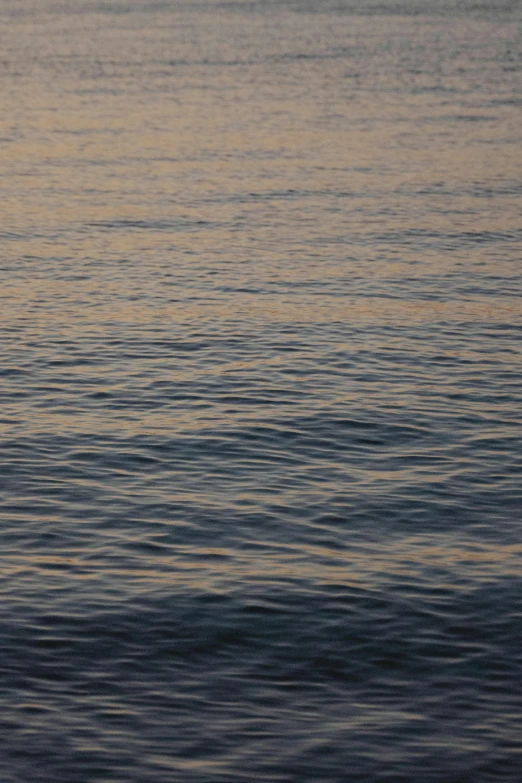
column 14, row 236
column 507, row 101
column 372, row 476
column 156, row 224
column 486, row 190
column 446, row 241
column 462, row 118
column 204, row 677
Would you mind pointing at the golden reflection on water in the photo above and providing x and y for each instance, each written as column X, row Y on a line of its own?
column 268, row 308
column 207, row 200
column 220, row 568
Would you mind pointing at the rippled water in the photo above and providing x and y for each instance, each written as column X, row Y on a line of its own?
column 261, row 381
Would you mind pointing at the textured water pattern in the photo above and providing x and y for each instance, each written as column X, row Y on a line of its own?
column 261, row 380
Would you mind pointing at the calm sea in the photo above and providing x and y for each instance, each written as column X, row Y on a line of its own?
column 261, row 391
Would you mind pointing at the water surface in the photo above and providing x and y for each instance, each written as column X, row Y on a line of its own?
column 260, row 342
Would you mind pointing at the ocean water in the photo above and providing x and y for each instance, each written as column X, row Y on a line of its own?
column 261, row 386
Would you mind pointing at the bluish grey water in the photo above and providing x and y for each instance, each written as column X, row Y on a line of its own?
column 261, row 381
